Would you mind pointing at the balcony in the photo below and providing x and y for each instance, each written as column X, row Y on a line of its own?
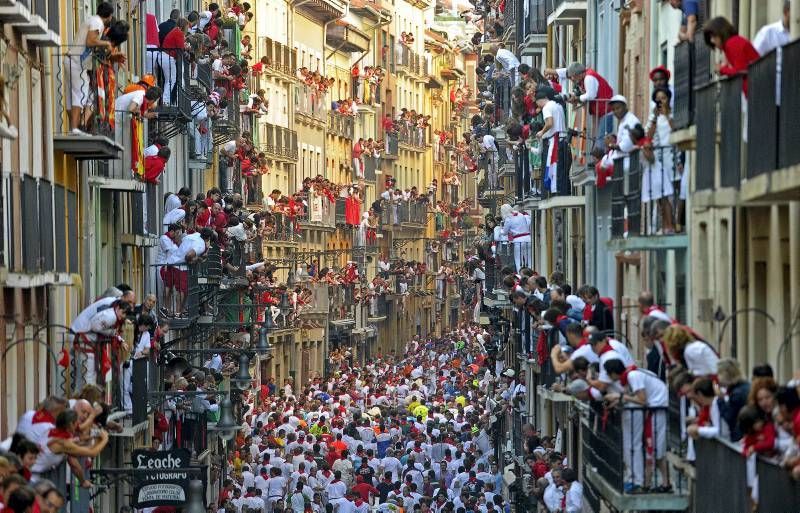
column 411, row 63
column 317, row 303
column 281, row 59
column 97, row 139
column 565, row 10
column 392, row 149
column 342, row 300
column 532, row 31
column 412, row 138
column 341, row 125
column 692, row 71
column 605, row 459
column 347, row 38
column 642, row 193
column 174, row 78
column 773, row 154
column 413, row 214
column 186, row 292
column 379, row 308
column 321, row 214
column 278, row 143
column 371, row 168
column 310, row 106
column 322, row 10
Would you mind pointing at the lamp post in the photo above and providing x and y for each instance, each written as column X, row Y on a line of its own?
column 196, row 497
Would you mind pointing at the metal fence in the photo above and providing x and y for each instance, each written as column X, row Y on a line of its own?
column 706, row 122
column 731, row 143
column 342, row 125
column 777, row 491
column 684, row 85
column 789, row 131
column 762, row 117
column 722, row 477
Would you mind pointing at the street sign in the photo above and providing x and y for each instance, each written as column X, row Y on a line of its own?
column 162, row 477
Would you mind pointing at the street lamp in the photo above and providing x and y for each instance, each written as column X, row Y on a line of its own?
column 226, row 425
column 242, row 379
column 262, row 346
column 196, row 497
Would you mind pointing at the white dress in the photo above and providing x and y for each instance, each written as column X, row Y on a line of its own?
column 658, row 176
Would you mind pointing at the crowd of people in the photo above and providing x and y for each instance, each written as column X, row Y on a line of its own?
column 407, row 432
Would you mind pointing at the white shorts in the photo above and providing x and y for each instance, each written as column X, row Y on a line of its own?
column 78, row 82
column 657, row 182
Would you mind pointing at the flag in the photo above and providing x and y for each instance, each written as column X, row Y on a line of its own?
column 551, row 168
column 105, row 363
column 137, row 147
column 64, row 360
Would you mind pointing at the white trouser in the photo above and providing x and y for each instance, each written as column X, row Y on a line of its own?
column 169, row 70
column 521, row 252
column 150, row 59
column 632, row 449
column 126, row 386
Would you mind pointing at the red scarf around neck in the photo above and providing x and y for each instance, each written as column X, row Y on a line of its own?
column 59, row 433
column 43, row 416
column 623, row 379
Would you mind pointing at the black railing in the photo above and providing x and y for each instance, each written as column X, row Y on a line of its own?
column 371, row 165
column 392, row 143
column 173, row 77
column 412, row 135
column 762, row 117
column 789, row 131
column 502, row 97
column 341, row 218
column 341, row 124
column 684, row 85
column 724, row 477
column 88, row 89
column 777, row 491
column 731, row 143
column 706, row 122
column 616, row 441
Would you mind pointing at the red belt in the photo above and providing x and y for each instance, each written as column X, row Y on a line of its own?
column 512, row 237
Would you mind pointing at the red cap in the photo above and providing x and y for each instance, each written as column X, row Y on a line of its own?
column 662, row 69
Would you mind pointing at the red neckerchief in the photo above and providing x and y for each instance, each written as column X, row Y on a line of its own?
column 43, row 416
column 587, row 312
column 583, row 342
column 651, row 309
column 623, row 379
column 704, row 417
column 606, row 349
column 541, row 346
column 561, row 318
column 359, row 502
column 59, row 433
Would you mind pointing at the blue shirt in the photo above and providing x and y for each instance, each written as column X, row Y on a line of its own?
column 689, row 8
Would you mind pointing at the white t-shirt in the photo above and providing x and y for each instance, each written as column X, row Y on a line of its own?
column 552, row 110
column 488, row 143
column 134, row 97
column 174, row 216
column 586, row 352
column 655, row 390
column 622, row 350
column 700, row 359
column 506, row 59
column 91, row 24
column 770, row 37
column 173, row 202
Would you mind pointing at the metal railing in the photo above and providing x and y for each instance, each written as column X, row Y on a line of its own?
column 392, row 144
column 309, row 101
column 88, row 87
column 281, row 58
column 317, row 302
column 412, row 135
column 412, row 212
column 371, row 165
column 515, row 253
column 320, row 213
column 185, row 291
column 724, row 477
column 278, row 141
column 341, row 124
column 173, row 77
column 617, row 447
column 341, row 302
column 788, row 130
column 282, row 226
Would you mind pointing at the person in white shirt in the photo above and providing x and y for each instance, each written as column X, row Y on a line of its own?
column 78, row 62
column 642, row 388
column 698, row 356
column 553, row 494
column 608, row 349
column 517, row 227
column 489, row 149
column 774, row 35
column 276, row 488
column 626, row 122
column 215, row 364
column 507, row 60
column 573, row 502
column 556, row 154
column 174, row 216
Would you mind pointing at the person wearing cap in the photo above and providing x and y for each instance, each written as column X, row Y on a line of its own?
column 595, row 91
column 627, row 121
column 556, row 154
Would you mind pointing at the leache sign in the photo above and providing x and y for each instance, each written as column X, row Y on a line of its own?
column 162, row 477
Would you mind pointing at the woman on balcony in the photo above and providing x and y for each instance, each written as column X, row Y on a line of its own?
column 739, row 53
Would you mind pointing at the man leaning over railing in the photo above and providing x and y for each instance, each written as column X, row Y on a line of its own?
column 79, row 59
column 103, row 318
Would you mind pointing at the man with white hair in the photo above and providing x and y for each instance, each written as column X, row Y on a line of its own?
column 517, row 227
